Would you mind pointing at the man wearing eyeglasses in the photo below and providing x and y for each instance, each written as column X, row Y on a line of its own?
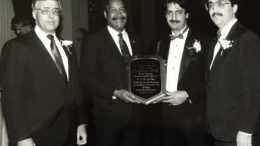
column 42, row 98
column 233, row 86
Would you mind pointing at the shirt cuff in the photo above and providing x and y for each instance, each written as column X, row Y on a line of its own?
column 113, row 97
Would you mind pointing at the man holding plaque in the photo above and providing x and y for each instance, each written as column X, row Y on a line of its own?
column 104, row 78
column 184, row 50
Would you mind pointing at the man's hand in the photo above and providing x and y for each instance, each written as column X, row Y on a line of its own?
column 26, row 142
column 157, row 100
column 244, row 139
column 175, row 98
column 82, row 135
column 125, row 96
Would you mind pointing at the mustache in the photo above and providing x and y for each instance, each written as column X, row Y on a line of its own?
column 214, row 14
column 119, row 18
column 174, row 21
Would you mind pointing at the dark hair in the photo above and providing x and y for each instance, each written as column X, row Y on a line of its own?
column 182, row 3
column 24, row 20
column 233, row 2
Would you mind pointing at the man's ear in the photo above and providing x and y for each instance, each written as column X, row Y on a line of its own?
column 206, row 7
column 34, row 14
column 187, row 15
column 105, row 14
column 235, row 8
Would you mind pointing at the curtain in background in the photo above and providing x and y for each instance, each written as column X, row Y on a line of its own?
column 3, row 133
column 6, row 14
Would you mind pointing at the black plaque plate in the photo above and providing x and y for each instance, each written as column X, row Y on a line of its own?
column 147, row 78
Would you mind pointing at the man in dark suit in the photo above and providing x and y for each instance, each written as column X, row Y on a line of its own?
column 233, row 86
column 184, row 106
column 104, row 77
column 40, row 85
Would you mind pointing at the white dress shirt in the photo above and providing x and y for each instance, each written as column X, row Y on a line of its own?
column 174, row 61
column 46, row 42
column 115, row 37
column 223, row 34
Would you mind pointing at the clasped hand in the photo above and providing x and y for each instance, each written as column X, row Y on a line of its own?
column 173, row 98
column 125, row 96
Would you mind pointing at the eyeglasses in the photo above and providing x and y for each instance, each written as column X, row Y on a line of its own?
column 219, row 4
column 48, row 11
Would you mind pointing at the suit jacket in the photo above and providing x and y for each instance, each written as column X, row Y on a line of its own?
column 188, row 116
column 233, row 86
column 103, row 71
column 34, row 93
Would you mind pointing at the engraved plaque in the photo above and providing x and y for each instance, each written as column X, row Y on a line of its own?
column 146, row 78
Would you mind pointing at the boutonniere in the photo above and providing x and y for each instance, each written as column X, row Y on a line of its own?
column 67, row 44
column 225, row 44
column 196, row 46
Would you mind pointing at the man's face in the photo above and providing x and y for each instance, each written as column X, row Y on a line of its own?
column 116, row 15
column 176, row 17
column 221, row 12
column 46, row 15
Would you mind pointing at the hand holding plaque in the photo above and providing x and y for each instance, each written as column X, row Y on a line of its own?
column 125, row 96
column 146, row 78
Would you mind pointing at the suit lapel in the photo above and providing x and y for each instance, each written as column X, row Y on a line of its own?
column 133, row 45
column 211, row 53
column 222, row 53
column 70, row 59
column 187, row 54
column 44, row 54
column 217, row 60
column 110, row 42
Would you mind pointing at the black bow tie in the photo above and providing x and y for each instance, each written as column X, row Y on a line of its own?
column 173, row 37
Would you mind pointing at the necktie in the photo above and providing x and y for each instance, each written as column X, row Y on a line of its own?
column 218, row 34
column 57, row 59
column 216, row 57
column 123, row 47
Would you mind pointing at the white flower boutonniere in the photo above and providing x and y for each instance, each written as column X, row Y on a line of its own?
column 196, row 46
column 67, row 44
column 225, row 44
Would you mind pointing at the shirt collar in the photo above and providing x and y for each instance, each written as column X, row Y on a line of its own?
column 115, row 33
column 183, row 31
column 225, row 30
column 42, row 34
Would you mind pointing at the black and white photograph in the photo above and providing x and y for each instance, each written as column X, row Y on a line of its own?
column 129, row 73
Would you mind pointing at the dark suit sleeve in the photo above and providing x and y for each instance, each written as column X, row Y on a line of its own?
column 13, row 96
column 92, row 85
column 79, row 97
column 250, row 70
